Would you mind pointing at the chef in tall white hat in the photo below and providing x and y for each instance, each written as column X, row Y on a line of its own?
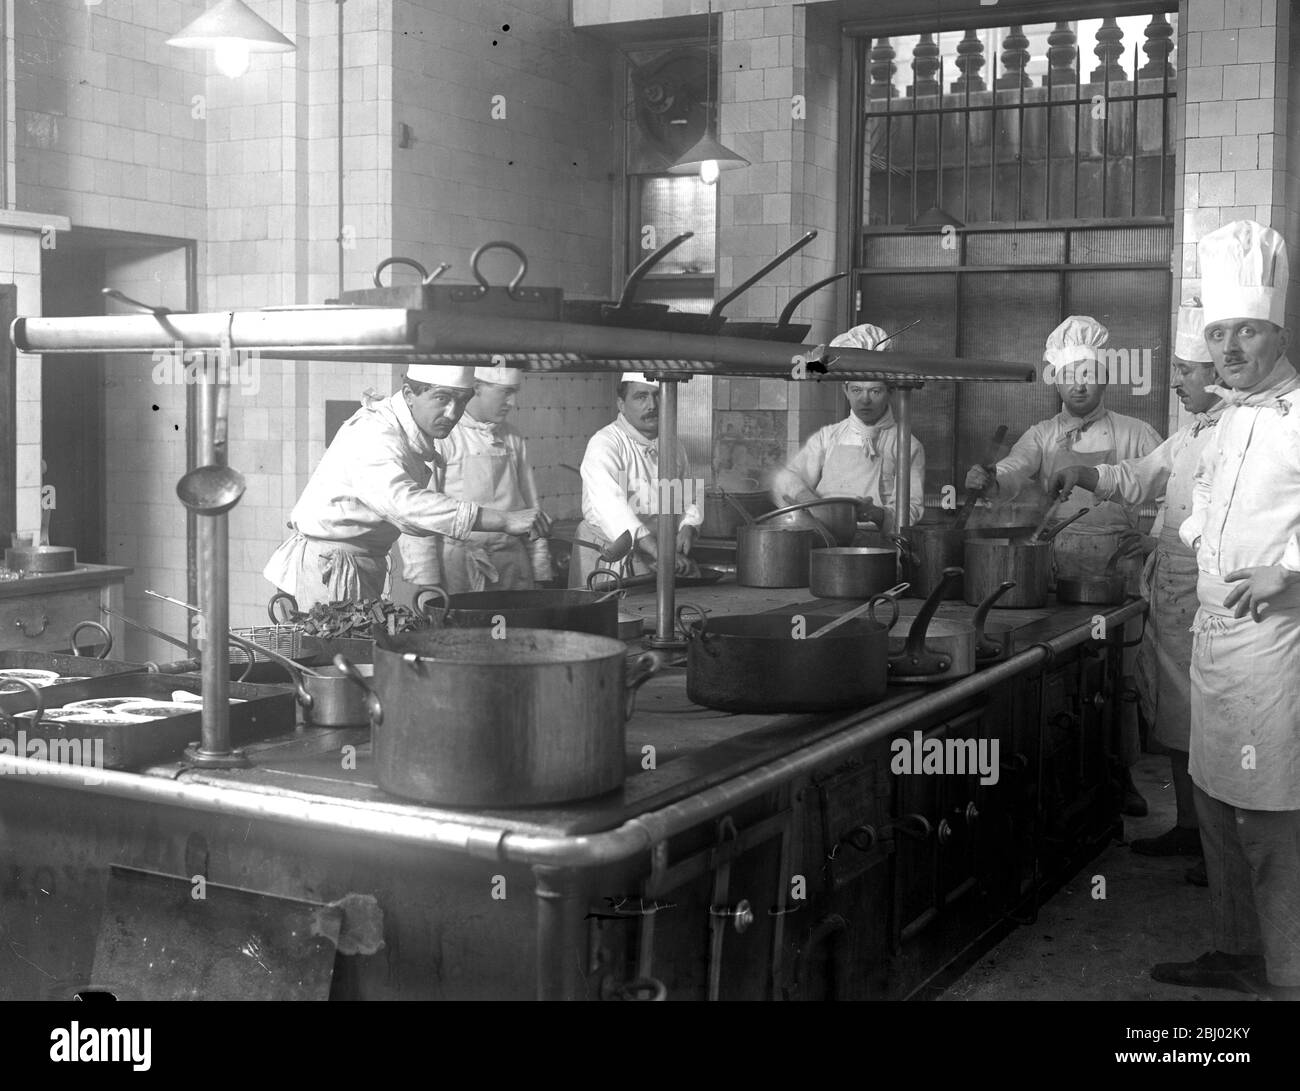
column 375, row 483
column 1169, row 579
column 622, row 486
column 485, row 462
column 1245, row 672
column 857, row 456
column 1083, row 433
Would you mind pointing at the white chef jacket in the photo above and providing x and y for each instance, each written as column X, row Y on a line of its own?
column 620, row 489
column 850, row 458
column 1169, row 470
column 1245, row 739
column 1246, row 498
column 372, row 484
column 485, row 462
column 1054, row 443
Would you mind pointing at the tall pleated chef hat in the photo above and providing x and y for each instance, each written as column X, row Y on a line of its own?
column 1244, row 273
column 1075, row 340
column 441, row 375
column 1189, row 338
column 500, row 376
column 637, row 377
column 865, row 336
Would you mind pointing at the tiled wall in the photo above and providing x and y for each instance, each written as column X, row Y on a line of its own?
column 542, row 177
column 1234, row 155
column 105, row 126
column 20, row 265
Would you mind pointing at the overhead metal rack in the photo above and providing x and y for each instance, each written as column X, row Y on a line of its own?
column 352, row 333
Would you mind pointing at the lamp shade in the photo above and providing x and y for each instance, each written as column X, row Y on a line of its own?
column 232, row 31
column 707, row 150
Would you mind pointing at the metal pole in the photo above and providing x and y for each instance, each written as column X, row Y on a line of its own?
column 560, row 946
column 340, row 157
column 903, row 483
column 665, row 614
column 214, row 748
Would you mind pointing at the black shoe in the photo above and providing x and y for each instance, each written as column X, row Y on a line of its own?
column 1134, row 805
column 1196, row 874
column 1215, row 970
column 1180, row 841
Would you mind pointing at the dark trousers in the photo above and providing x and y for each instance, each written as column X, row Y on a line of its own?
column 1253, row 862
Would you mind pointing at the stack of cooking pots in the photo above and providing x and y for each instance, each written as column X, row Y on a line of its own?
column 773, row 550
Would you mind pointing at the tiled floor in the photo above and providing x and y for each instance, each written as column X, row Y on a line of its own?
column 1086, row 948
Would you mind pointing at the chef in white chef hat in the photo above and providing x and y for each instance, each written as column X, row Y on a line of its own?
column 623, row 486
column 1244, row 275
column 1245, row 529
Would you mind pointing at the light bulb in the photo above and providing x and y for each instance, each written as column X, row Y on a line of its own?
column 232, row 58
column 709, row 171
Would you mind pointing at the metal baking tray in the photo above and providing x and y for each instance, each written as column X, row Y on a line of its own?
column 63, row 663
column 267, row 711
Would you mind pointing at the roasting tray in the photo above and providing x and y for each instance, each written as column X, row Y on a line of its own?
column 75, row 665
column 267, row 711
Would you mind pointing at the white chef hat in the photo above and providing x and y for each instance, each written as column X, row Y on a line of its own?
column 441, row 375
column 1243, row 273
column 637, row 377
column 1189, row 338
column 1076, row 340
column 865, row 336
column 500, row 376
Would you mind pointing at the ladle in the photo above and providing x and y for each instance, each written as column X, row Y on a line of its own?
column 215, row 489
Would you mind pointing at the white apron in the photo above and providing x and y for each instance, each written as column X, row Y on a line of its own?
column 313, row 570
column 1164, row 659
column 854, row 470
column 1084, row 548
column 486, row 560
column 1246, row 694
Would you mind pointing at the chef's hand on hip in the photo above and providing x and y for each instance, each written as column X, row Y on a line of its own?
column 1064, row 481
column 1256, row 587
column 978, row 478
column 686, row 538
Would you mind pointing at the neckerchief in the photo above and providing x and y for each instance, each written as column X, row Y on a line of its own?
column 491, row 428
column 1072, row 427
column 1280, row 381
column 1208, row 419
column 872, row 434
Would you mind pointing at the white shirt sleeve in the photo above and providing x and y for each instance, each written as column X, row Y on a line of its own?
column 916, row 502
column 1022, row 463
column 1194, row 525
column 804, row 469
column 604, row 494
column 692, row 515
column 1138, row 480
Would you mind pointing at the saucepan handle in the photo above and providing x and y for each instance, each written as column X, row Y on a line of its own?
column 373, row 703
column 422, row 600
column 108, row 637
column 35, row 691
column 692, row 629
column 644, row 668
column 891, row 597
column 278, row 599
column 424, row 273
column 601, row 573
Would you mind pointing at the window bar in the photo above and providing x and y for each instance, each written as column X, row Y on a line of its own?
column 1047, row 167
column 1105, row 132
column 938, row 147
column 1133, row 170
column 1078, row 105
column 965, row 193
column 1020, row 147
column 993, row 139
column 1164, row 130
column 915, row 159
column 889, row 166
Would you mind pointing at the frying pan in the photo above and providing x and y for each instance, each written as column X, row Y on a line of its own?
column 783, row 329
column 626, row 312
column 715, row 315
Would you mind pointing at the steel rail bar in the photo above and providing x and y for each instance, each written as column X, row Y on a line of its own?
column 377, row 333
column 486, row 839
